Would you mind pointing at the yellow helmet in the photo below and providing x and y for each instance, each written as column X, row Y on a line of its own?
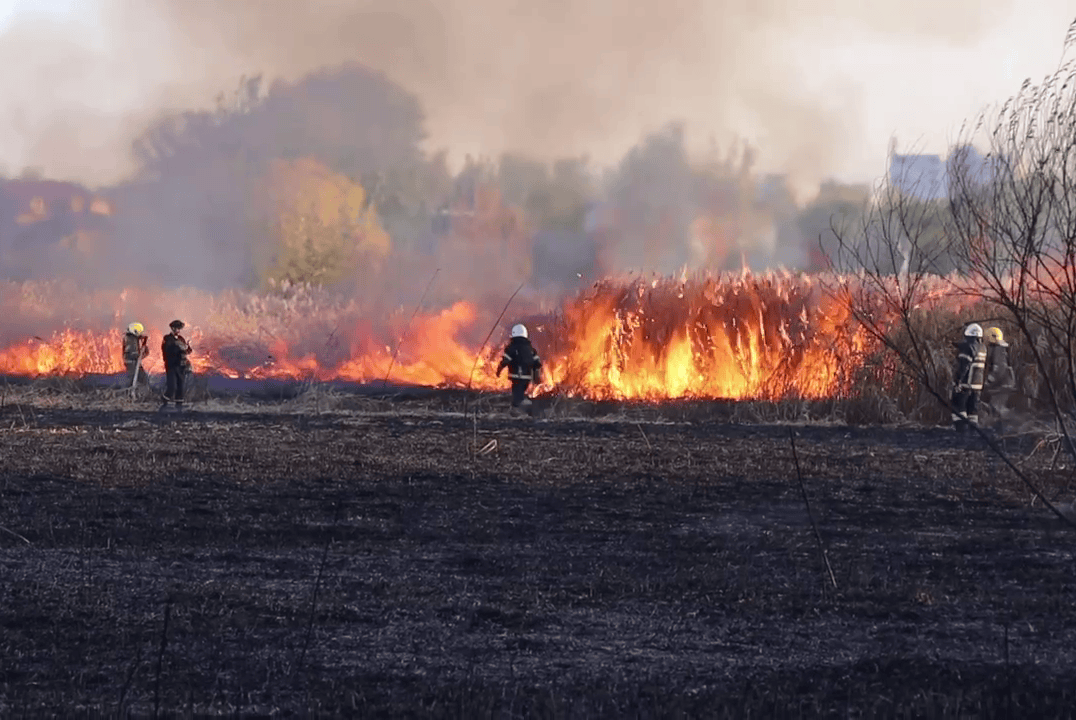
column 136, row 328
column 994, row 336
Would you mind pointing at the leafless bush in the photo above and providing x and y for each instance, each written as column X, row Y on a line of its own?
column 1012, row 226
column 1006, row 235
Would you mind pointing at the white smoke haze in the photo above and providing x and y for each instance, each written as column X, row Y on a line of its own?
column 121, row 95
column 549, row 78
column 635, row 87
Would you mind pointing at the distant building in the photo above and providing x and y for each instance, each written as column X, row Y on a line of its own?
column 921, row 176
column 973, row 164
column 928, row 177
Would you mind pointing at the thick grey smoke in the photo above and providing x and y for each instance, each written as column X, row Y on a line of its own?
column 545, row 77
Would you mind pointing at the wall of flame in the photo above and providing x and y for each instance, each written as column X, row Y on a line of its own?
column 747, row 336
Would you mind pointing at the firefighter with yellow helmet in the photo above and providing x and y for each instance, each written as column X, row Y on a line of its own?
column 135, row 349
column 1000, row 377
column 968, row 378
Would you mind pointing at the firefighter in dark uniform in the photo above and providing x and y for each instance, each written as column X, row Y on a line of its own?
column 135, row 349
column 524, row 365
column 1000, row 377
column 968, row 378
column 177, row 364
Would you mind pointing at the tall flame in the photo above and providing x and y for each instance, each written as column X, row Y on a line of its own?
column 719, row 339
column 711, row 337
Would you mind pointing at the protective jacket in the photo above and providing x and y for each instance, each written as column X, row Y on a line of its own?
column 134, row 348
column 522, row 361
column 999, row 373
column 175, row 350
column 970, row 363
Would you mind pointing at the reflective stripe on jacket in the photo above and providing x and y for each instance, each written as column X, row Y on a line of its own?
column 971, row 363
column 999, row 373
column 521, row 359
column 134, row 349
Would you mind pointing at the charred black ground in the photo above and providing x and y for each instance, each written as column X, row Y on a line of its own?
column 592, row 562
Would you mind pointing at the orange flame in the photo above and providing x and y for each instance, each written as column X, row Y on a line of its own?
column 731, row 339
column 728, row 337
column 65, row 352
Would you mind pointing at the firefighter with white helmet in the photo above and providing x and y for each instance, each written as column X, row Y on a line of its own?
column 135, row 348
column 968, row 378
column 1000, row 377
column 524, row 365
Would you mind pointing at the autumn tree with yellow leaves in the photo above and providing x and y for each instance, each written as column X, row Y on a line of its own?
column 318, row 225
column 208, row 182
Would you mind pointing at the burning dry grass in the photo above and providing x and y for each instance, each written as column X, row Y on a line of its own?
column 743, row 337
column 780, row 340
column 749, row 336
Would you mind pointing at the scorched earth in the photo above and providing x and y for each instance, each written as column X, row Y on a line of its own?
column 405, row 558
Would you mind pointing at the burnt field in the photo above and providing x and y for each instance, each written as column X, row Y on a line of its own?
column 371, row 557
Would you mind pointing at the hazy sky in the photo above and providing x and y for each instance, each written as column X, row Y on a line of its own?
column 819, row 85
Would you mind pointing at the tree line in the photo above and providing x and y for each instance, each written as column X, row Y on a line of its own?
column 305, row 181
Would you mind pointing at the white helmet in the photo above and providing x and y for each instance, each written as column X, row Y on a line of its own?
column 521, row 331
column 973, row 330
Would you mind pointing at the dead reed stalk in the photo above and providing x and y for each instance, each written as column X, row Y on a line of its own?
column 408, row 328
column 810, row 514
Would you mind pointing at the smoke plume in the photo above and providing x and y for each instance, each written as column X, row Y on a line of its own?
column 546, row 77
